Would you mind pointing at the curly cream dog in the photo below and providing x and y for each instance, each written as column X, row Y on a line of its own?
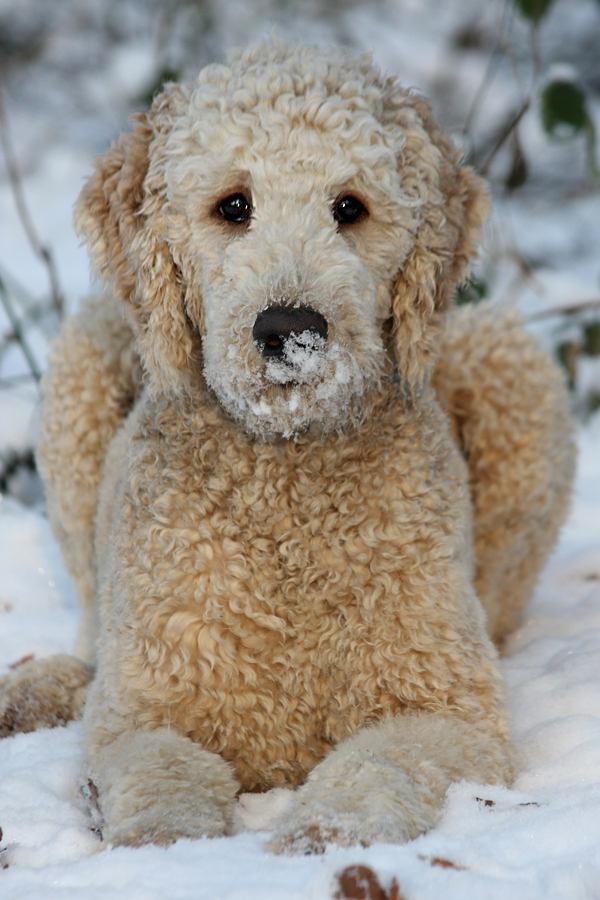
column 287, row 478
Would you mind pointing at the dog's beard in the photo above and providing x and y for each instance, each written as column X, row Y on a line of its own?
column 314, row 384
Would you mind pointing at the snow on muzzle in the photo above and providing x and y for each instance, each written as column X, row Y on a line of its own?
column 290, row 338
column 296, row 370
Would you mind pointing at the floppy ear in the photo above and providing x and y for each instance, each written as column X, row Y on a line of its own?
column 120, row 213
column 455, row 207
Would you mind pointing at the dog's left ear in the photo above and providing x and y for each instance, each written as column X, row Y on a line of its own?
column 455, row 206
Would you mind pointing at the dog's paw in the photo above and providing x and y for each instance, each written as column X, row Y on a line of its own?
column 379, row 810
column 348, row 801
column 43, row 693
column 313, row 834
column 156, row 787
column 310, row 828
column 164, row 823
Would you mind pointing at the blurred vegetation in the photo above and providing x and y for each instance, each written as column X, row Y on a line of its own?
column 187, row 34
column 558, row 92
column 563, row 103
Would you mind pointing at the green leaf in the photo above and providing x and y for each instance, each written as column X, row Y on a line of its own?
column 472, row 291
column 533, row 10
column 563, row 109
column 158, row 84
column 567, row 353
column 593, row 402
column 591, row 339
column 517, row 175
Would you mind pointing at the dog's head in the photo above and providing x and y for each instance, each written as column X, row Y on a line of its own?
column 283, row 227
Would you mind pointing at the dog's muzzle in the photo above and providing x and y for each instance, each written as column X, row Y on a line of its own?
column 276, row 325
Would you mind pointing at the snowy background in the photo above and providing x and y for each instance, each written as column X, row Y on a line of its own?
column 70, row 73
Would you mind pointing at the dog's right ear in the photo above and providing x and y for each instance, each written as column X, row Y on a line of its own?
column 120, row 213
column 107, row 213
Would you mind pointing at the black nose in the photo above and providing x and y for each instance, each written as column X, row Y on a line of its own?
column 275, row 324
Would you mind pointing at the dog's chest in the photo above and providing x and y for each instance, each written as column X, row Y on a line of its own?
column 262, row 586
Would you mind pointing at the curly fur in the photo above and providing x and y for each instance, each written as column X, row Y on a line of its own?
column 285, row 575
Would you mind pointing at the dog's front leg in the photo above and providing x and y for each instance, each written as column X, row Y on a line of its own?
column 158, row 786
column 389, row 781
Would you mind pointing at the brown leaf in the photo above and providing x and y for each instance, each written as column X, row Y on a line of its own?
column 443, row 863
column 361, row 883
column 22, row 661
column 485, row 802
column 92, row 792
column 394, row 893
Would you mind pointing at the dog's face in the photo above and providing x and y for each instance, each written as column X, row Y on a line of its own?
column 288, row 210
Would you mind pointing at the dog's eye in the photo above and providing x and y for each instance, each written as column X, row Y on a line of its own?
column 348, row 209
column 235, row 209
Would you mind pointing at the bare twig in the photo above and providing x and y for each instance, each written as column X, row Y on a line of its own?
column 482, row 90
column 13, row 380
column 41, row 250
column 489, row 74
column 574, row 310
column 164, row 29
column 505, row 134
column 535, row 51
column 590, row 151
column 504, row 47
column 18, row 331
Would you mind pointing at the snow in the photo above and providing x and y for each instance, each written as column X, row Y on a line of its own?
column 540, row 839
column 301, row 352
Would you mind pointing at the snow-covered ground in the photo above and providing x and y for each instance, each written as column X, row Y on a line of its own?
column 541, row 839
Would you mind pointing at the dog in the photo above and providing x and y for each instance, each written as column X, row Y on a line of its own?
column 302, row 495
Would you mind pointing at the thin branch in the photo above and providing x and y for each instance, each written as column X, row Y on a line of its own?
column 505, row 134
column 536, row 57
column 575, row 310
column 590, row 151
column 13, row 380
column 489, row 74
column 18, row 331
column 164, row 29
column 35, row 311
column 41, row 250
column 504, row 47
